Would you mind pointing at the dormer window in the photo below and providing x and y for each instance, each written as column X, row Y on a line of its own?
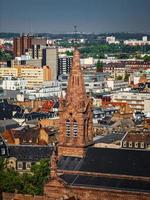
column 68, row 128
column 130, row 144
column 75, row 128
column 124, row 144
column 142, row 145
column 136, row 144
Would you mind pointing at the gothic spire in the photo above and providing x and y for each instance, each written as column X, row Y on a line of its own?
column 76, row 93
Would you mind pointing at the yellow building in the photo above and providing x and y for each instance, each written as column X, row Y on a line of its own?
column 6, row 71
column 34, row 75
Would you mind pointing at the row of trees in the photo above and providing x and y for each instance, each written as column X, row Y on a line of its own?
column 117, row 50
column 26, row 183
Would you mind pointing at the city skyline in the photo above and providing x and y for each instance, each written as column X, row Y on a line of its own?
column 55, row 16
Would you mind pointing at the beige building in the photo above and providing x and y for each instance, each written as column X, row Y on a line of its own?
column 35, row 76
column 136, row 101
column 6, row 71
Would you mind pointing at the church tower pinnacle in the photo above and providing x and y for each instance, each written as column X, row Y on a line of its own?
column 76, row 125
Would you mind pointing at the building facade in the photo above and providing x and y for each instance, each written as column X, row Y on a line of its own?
column 23, row 43
column 64, row 65
column 50, row 58
column 136, row 101
column 35, row 76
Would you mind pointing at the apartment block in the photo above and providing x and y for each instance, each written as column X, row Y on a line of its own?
column 137, row 101
column 64, row 65
column 35, row 76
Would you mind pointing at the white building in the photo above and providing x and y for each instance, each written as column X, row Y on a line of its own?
column 135, row 77
column 137, row 101
column 147, row 106
column 116, row 84
column 134, row 42
column 10, row 83
column 3, row 41
column 64, row 50
column 112, row 40
column 87, row 61
column 49, row 89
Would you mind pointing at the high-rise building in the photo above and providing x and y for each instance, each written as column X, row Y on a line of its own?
column 21, row 44
column 36, row 51
column 64, row 65
column 50, row 58
column 17, row 47
column 25, row 42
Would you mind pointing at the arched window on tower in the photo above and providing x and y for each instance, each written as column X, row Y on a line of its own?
column 75, row 128
column 68, row 128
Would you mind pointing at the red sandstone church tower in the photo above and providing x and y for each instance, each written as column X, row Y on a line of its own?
column 76, row 125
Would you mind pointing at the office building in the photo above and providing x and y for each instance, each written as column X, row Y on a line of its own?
column 50, row 58
column 64, row 65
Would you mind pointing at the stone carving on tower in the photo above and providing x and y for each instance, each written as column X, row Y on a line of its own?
column 76, row 126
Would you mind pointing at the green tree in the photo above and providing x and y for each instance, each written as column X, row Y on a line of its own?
column 119, row 78
column 146, row 58
column 99, row 66
column 68, row 53
column 27, row 183
column 126, row 78
column 40, row 176
column 5, row 55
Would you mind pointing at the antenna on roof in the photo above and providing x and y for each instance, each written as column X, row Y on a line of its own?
column 75, row 35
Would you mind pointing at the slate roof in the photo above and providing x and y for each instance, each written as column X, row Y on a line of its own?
column 26, row 134
column 107, row 183
column 11, row 94
column 110, row 138
column 8, row 124
column 30, row 153
column 69, row 163
column 111, row 161
column 117, row 161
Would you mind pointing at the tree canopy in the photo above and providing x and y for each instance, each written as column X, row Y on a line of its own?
column 5, row 55
column 26, row 183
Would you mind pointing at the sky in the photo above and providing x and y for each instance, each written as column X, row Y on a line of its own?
column 60, row 16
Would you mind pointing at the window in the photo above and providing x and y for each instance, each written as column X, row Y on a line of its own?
column 130, row 144
column 75, row 128
column 136, row 144
column 142, row 145
column 67, row 128
column 1, row 142
column 124, row 144
column 2, row 151
column 28, row 165
column 20, row 165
